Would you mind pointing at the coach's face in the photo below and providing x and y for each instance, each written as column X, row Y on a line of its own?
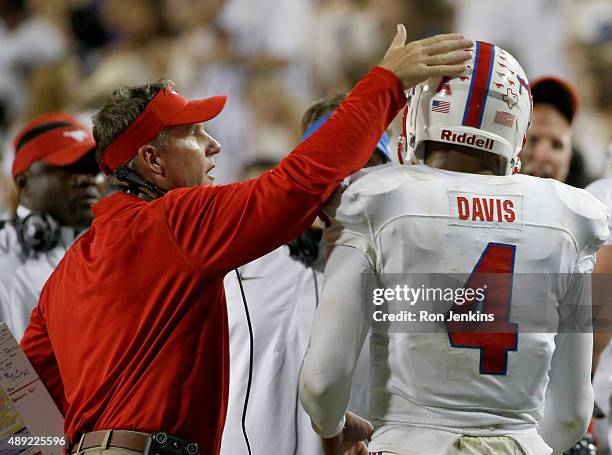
column 189, row 156
column 548, row 149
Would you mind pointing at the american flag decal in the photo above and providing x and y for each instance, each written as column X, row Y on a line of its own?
column 504, row 118
column 440, row 106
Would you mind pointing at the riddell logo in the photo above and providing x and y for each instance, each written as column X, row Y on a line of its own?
column 465, row 138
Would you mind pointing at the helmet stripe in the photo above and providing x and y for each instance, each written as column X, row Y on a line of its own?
column 479, row 87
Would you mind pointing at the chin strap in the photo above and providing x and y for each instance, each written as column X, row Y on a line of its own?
column 402, row 142
column 514, row 166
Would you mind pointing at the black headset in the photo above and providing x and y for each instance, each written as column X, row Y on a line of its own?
column 37, row 232
column 305, row 248
column 136, row 183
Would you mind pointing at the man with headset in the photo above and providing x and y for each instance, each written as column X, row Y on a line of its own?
column 130, row 333
column 55, row 173
column 281, row 291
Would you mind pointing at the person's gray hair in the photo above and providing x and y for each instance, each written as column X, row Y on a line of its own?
column 120, row 109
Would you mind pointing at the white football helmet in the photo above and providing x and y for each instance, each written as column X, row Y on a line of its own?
column 487, row 108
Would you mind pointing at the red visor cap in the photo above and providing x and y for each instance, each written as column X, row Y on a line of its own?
column 167, row 108
column 55, row 138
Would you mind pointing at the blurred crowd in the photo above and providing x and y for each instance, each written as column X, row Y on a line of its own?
column 274, row 57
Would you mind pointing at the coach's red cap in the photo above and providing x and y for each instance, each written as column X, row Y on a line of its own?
column 557, row 92
column 167, row 108
column 56, row 138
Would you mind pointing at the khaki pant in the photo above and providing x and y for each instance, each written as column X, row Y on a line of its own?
column 473, row 445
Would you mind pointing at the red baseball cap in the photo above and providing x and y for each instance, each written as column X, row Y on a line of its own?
column 56, row 138
column 167, row 108
column 556, row 92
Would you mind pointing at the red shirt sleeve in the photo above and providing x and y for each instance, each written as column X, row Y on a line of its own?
column 218, row 228
column 37, row 347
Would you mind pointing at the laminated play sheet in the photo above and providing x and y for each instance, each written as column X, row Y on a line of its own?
column 30, row 422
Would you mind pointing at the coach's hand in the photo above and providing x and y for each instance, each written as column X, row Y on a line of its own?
column 440, row 55
column 350, row 440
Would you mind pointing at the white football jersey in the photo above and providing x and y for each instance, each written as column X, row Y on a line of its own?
column 413, row 220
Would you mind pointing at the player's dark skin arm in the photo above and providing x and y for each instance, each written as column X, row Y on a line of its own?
column 351, row 440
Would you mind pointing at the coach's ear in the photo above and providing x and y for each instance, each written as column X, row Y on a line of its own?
column 150, row 159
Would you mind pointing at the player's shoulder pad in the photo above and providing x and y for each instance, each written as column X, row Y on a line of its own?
column 376, row 179
column 350, row 209
column 354, row 198
column 591, row 216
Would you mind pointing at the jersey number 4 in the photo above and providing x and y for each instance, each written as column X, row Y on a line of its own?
column 495, row 338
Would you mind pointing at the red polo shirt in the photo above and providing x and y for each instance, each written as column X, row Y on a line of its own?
column 130, row 331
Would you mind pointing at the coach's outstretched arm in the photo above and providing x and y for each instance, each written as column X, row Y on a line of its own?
column 219, row 228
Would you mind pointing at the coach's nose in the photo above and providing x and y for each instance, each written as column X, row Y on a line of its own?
column 212, row 146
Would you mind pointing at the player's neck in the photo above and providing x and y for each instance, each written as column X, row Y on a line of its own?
column 460, row 161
